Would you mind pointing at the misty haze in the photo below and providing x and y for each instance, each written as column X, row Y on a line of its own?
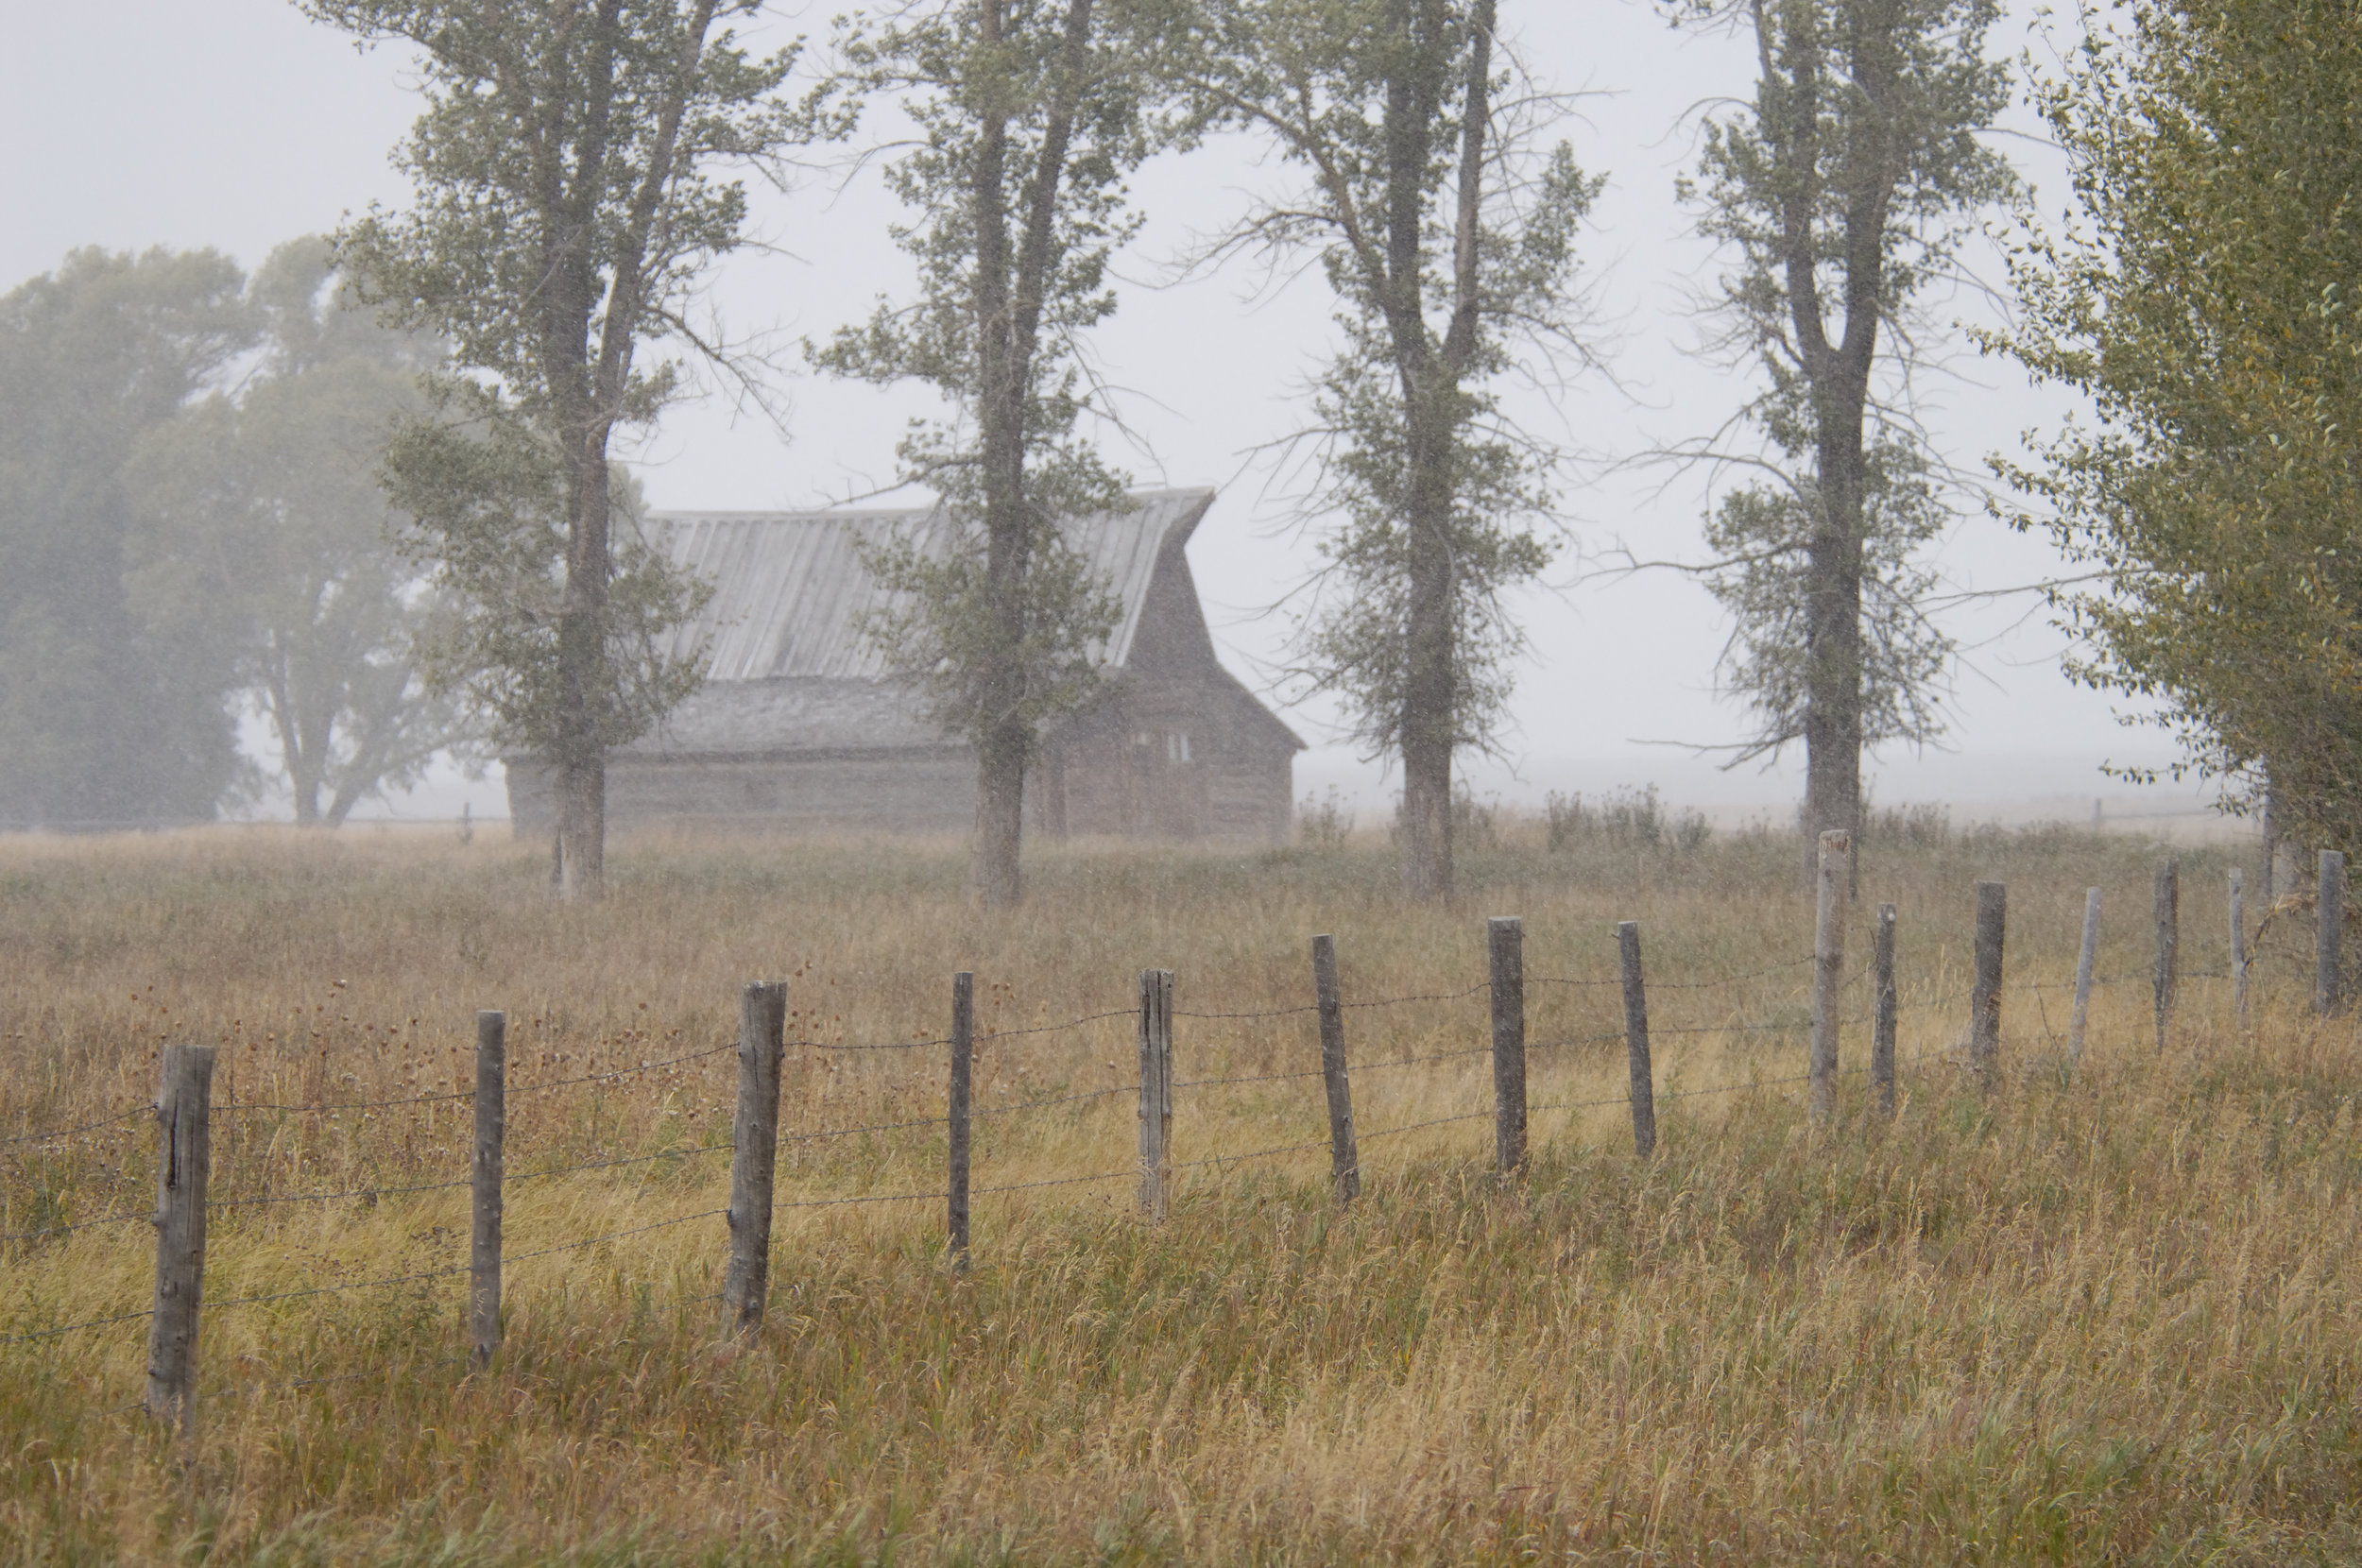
column 1179, row 780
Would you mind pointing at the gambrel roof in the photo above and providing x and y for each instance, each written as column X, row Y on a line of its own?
column 789, row 668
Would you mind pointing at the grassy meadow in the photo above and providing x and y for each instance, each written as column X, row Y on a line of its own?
column 2107, row 1315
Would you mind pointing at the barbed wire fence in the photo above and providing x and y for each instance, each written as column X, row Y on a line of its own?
column 185, row 1109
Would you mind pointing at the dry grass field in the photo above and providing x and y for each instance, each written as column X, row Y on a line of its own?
column 2110, row 1315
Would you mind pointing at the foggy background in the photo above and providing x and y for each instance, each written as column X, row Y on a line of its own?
column 237, row 124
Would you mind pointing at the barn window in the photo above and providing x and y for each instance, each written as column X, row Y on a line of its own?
column 1176, row 747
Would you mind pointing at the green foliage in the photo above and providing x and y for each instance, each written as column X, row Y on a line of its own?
column 1016, row 185
column 2201, row 300
column 1358, row 640
column 261, row 528
column 1863, row 112
column 488, row 500
column 566, row 206
column 1763, row 533
column 115, row 709
column 944, row 630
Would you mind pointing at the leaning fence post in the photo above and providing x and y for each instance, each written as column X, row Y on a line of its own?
column 1637, row 1039
column 1506, row 940
column 1828, row 969
column 2168, row 944
column 1984, row 1017
column 2330, row 927
column 1344, row 1158
column 492, row 1126
column 755, row 1149
column 963, row 1077
column 183, row 1163
column 2083, row 977
column 2238, row 948
column 1888, row 1006
column 1155, row 1091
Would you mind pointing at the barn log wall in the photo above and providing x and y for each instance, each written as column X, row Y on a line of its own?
column 897, row 792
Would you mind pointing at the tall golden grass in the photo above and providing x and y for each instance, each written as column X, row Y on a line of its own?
column 2106, row 1315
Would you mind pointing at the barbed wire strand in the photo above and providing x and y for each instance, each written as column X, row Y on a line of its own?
column 1248, row 1077
column 1057, row 1028
column 77, row 1225
column 1267, row 1012
column 1425, row 996
column 1017, row 1106
column 74, row 1132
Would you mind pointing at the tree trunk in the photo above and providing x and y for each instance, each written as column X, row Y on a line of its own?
column 1834, row 646
column 1429, row 730
column 304, row 771
column 1427, row 863
column 1838, row 374
column 1000, row 816
column 583, row 421
column 1429, row 377
column 582, row 760
column 583, row 674
column 1002, row 749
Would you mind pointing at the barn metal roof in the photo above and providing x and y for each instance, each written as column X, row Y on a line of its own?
column 790, row 591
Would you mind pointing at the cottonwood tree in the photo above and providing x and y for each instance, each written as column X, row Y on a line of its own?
column 1029, row 115
column 1846, row 187
column 568, row 199
column 261, row 526
column 1444, row 223
column 109, row 714
column 2201, row 299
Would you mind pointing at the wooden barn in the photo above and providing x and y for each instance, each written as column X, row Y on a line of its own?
column 798, row 725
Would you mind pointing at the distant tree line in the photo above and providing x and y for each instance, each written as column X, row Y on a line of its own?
column 192, row 534
column 388, row 533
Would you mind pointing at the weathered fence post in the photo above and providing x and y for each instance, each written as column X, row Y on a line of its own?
column 183, row 1163
column 1829, row 971
column 2328, row 996
column 963, row 1075
column 1888, row 1006
column 1344, row 1158
column 2083, row 977
column 1984, row 1015
column 1156, row 1090
column 1506, row 940
column 2168, row 944
column 755, row 1145
column 2238, row 948
column 1637, row 1039
column 491, row 1129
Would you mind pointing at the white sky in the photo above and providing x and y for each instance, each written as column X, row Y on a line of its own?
column 237, row 124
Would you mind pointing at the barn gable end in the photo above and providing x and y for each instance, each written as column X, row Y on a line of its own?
column 800, row 726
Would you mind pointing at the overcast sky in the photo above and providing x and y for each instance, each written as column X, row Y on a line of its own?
column 237, row 124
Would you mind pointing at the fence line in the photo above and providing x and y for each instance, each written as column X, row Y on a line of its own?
column 1505, row 986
